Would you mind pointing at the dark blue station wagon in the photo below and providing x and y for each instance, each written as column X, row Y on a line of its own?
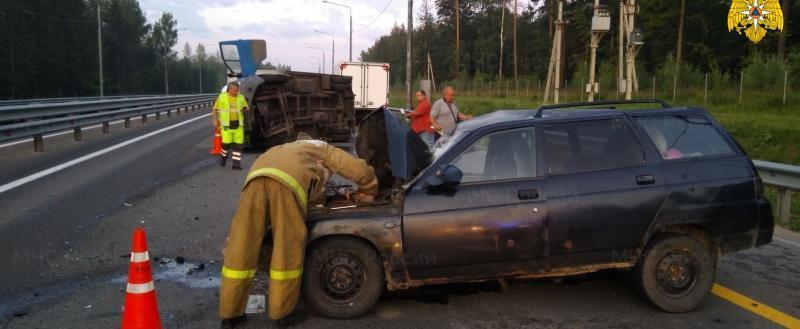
column 552, row 192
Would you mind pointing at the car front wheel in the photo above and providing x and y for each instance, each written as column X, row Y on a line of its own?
column 676, row 272
column 342, row 278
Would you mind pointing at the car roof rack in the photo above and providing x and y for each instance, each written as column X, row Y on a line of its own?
column 606, row 102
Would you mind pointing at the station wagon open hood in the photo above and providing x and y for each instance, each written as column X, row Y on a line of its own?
column 388, row 144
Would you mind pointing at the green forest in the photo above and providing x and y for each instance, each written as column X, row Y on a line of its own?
column 50, row 49
column 707, row 45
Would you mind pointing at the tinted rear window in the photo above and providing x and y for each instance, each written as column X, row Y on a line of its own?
column 591, row 145
column 685, row 136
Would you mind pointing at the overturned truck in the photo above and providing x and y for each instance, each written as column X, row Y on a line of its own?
column 285, row 103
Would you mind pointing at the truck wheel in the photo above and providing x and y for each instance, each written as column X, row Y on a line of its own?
column 676, row 272
column 341, row 79
column 342, row 278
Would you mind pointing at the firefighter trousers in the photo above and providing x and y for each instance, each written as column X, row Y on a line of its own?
column 263, row 202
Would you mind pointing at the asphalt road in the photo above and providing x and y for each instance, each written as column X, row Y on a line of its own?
column 65, row 239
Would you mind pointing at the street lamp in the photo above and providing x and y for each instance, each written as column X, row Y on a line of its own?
column 100, row 47
column 323, row 56
column 317, row 62
column 333, row 44
column 351, row 23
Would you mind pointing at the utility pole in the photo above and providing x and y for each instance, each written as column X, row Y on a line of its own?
column 502, row 24
column 635, row 41
column 678, row 52
column 409, row 28
column 100, row 47
column 554, row 70
column 516, row 79
column 458, row 37
column 620, row 43
column 601, row 23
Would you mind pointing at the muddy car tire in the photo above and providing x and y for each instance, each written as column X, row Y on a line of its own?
column 342, row 278
column 676, row 272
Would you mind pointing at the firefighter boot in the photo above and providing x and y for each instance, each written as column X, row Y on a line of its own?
column 232, row 323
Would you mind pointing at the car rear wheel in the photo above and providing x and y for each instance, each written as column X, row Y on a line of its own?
column 342, row 278
column 676, row 272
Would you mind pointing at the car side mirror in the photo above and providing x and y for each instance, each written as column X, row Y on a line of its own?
column 447, row 176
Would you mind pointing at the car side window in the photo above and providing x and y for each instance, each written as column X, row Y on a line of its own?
column 501, row 155
column 684, row 136
column 591, row 145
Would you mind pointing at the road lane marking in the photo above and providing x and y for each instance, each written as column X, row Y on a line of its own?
column 65, row 165
column 782, row 240
column 756, row 307
column 27, row 140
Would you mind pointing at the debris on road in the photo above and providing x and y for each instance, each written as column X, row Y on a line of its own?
column 127, row 204
column 255, row 304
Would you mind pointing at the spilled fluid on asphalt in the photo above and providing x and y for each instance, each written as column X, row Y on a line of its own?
column 192, row 275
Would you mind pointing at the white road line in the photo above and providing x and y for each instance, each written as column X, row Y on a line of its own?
column 782, row 240
column 43, row 173
column 27, row 140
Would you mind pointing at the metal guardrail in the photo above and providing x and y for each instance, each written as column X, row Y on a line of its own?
column 12, row 102
column 45, row 110
column 35, row 120
column 786, row 178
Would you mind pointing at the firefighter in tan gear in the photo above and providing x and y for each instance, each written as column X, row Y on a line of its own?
column 281, row 185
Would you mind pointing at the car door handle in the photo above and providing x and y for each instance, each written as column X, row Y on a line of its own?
column 645, row 179
column 528, row 194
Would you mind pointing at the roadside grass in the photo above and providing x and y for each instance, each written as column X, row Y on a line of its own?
column 765, row 129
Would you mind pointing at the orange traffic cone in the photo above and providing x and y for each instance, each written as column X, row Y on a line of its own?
column 141, row 308
column 217, row 144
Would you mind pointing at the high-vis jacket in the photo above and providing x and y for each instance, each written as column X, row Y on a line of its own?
column 297, row 166
column 224, row 107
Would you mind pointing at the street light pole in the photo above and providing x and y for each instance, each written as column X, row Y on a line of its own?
column 333, row 45
column 351, row 24
column 100, row 48
column 323, row 56
column 200, row 64
column 318, row 62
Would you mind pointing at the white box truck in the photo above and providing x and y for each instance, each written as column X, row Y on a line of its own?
column 370, row 85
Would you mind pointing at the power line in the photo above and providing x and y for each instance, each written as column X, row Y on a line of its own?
column 66, row 20
column 376, row 17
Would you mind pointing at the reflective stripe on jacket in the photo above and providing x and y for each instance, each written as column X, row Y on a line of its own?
column 224, row 107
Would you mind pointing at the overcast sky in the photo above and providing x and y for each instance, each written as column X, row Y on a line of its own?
column 287, row 25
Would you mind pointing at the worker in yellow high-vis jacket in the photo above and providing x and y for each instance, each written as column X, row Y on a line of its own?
column 228, row 116
column 281, row 185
